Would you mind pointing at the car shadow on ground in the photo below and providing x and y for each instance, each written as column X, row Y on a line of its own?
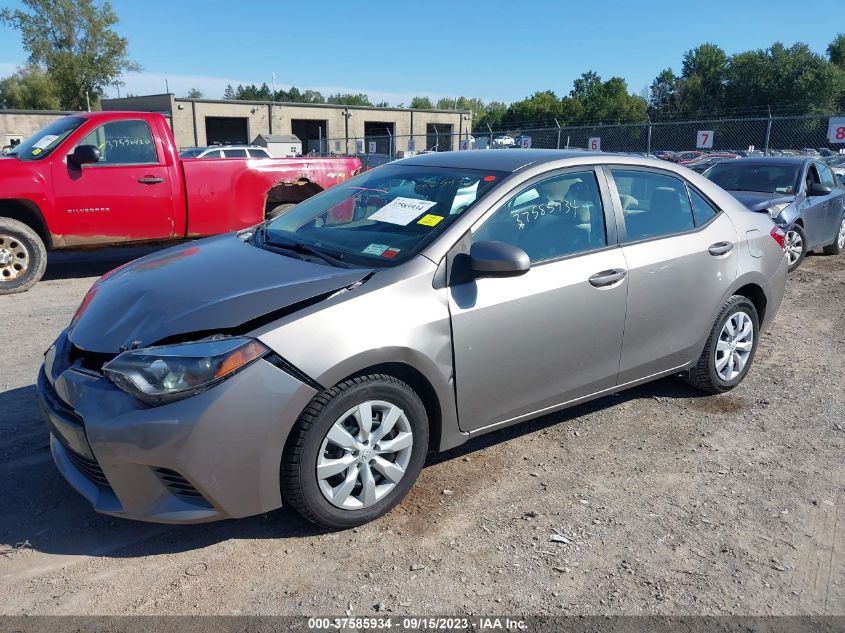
column 75, row 264
column 44, row 514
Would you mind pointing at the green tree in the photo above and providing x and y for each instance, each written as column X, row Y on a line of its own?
column 195, row 93
column 359, row 99
column 229, row 93
column 541, row 108
column 75, row 42
column 663, row 92
column 29, row 88
column 780, row 76
column 421, row 103
column 836, row 51
column 704, row 70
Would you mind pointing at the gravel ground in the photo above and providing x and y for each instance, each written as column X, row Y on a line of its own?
column 655, row 501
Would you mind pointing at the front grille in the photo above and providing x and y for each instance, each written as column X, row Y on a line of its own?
column 88, row 467
column 92, row 361
column 58, row 405
column 181, row 487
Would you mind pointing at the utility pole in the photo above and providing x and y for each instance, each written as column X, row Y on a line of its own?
column 346, row 115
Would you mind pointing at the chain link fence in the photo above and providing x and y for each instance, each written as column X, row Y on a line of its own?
column 766, row 135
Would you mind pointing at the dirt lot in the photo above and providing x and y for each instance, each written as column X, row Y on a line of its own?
column 667, row 502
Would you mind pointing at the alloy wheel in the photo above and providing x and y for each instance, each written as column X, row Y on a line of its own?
column 794, row 246
column 840, row 239
column 736, row 340
column 364, row 455
column 14, row 258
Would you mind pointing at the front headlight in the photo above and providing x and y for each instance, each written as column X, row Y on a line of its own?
column 775, row 209
column 156, row 375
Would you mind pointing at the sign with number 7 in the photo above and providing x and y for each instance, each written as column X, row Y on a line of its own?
column 704, row 140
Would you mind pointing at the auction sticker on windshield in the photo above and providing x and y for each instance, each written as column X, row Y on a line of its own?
column 44, row 141
column 375, row 249
column 401, row 211
column 430, row 219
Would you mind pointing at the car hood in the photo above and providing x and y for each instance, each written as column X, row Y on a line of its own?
column 760, row 201
column 202, row 288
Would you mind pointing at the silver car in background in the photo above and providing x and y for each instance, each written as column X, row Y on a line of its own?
column 319, row 357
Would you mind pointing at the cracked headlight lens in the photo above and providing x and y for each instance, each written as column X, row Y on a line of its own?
column 775, row 209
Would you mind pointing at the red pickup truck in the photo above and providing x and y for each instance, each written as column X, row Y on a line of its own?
column 115, row 177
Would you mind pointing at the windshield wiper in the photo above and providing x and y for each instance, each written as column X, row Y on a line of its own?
column 330, row 257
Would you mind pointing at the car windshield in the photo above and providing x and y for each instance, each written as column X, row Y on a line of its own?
column 762, row 177
column 44, row 141
column 382, row 217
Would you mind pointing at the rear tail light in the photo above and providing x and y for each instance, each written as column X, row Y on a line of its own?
column 779, row 236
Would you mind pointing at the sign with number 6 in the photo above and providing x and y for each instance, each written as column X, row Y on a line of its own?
column 594, row 143
column 836, row 130
column 704, row 140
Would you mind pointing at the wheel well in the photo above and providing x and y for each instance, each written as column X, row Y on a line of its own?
column 420, row 384
column 755, row 295
column 800, row 222
column 290, row 193
column 26, row 212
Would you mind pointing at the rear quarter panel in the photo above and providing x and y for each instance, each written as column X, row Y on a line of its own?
column 229, row 194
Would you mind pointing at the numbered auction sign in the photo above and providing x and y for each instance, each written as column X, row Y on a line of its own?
column 464, row 144
column 337, row 146
column 594, row 143
column 412, row 144
column 704, row 139
column 372, row 147
column 526, row 142
column 836, row 130
column 359, row 147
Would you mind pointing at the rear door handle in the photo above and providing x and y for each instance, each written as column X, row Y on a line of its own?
column 150, row 180
column 608, row 277
column 720, row 248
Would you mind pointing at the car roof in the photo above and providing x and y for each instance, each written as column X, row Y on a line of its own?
column 506, row 160
column 771, row 160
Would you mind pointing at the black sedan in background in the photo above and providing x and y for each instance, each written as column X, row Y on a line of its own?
column 801, row 194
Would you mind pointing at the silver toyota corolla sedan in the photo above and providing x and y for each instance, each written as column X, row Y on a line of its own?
column 316, row 359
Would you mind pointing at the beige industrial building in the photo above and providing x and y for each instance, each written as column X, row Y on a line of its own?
column 324, row 128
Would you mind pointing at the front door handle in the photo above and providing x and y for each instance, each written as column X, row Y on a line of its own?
column 150, row 180
column 608, row 277
column 720, row 248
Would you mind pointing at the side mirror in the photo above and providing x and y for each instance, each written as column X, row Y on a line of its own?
column 497, row 259
column 818, row 189
column 84, row 155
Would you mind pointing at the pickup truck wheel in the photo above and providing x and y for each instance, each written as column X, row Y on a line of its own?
column 23, row 257
column 279, row 210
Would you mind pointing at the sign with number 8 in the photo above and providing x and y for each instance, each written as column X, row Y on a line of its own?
column 836, row 130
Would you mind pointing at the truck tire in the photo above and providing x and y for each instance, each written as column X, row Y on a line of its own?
column 279, row 210
column 23, row 257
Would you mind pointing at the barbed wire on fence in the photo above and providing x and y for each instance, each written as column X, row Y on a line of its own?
column 766, row 134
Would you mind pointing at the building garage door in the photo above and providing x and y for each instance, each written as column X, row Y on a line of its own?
column 226, row 130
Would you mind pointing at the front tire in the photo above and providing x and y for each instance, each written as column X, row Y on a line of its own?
column 23, row 257
column 355, row 451
column 839, row 243
column 796, row 246
column 730, row 348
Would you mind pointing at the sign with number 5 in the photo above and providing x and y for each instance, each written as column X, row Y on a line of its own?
column 594, row 143
column 704, row 140
column 836, row 130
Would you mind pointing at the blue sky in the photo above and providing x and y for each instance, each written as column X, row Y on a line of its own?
column 503, row 50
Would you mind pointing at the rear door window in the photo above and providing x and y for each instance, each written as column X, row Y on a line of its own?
column 654, row 204
column 234, row 153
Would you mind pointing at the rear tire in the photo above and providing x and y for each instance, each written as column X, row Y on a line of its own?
column 839, row 241
column 23, row 257
column 279, row 210
column 329, row 435
column 729, row 350
column 796, row 246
